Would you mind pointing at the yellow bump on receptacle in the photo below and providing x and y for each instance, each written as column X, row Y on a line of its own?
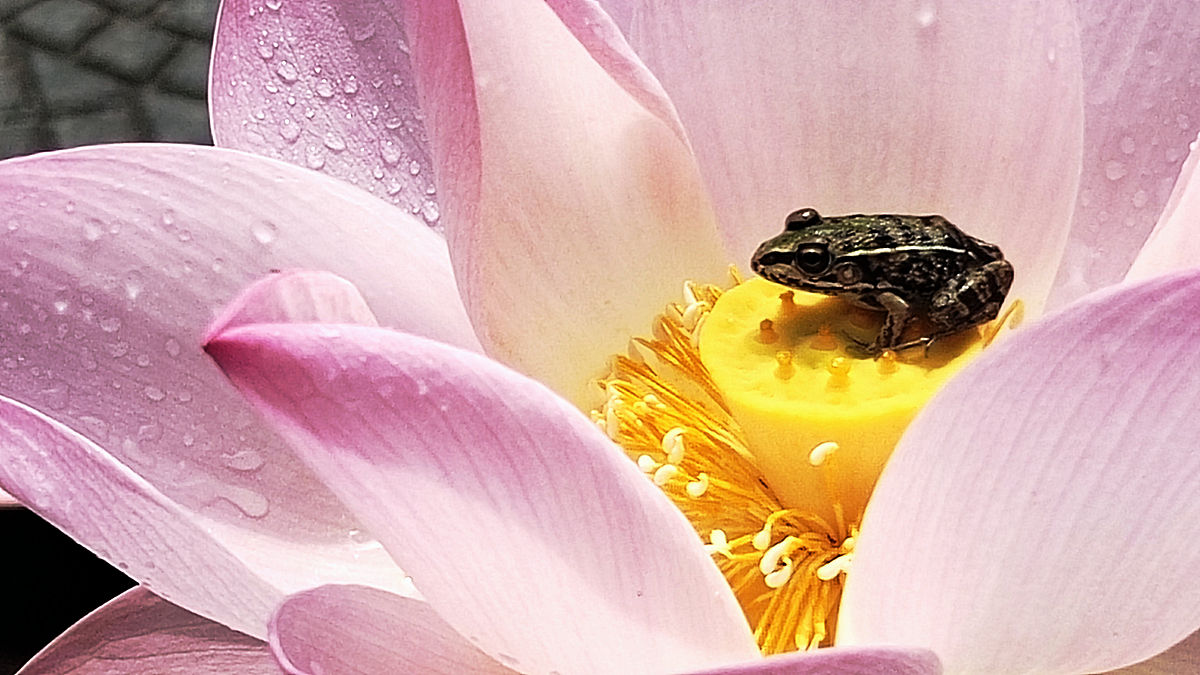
column 824, row 340
column 766, row 332
column 821, row 391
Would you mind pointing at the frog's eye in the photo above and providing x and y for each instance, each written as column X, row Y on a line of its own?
column 800, row 219
column 813, row 258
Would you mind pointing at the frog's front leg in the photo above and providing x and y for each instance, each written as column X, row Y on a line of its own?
column 898, row 312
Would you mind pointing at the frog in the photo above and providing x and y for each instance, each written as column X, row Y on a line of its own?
column 908, row 266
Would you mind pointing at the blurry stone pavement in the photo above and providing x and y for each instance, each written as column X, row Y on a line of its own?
column 75, row 72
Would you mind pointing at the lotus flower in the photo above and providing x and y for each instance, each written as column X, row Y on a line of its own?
column 1036, row 516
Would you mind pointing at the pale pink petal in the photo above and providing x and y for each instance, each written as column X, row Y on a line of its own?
column 113, row 261
column 1040, row 515
column 1175, row 242
column 327, row 86
column 295, row 297
column 839, row 661
column 355, row 629
column 1141, row 63
column 7, row 500
column 67, row 480
column 968, row 109
column 574, row 212
column 1184, row 657
column 138, row 633
column 524, row 527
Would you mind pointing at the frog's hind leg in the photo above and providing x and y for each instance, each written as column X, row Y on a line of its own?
column 974, row 298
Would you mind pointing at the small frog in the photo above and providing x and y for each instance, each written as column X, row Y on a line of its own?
column 904, row 265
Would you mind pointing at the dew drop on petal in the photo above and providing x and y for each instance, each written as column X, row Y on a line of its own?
column 350, row 86
column 287, row 72
column 389, row 151
column 172, row 347
column 1128, row 145
column 110, row 324
column 289, row 130
column 264, row 231
column 1114, row 170
column 314, row 158
column 274, row 5
column 334, row 142
column 324, row 89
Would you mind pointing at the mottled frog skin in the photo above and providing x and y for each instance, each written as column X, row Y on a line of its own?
column 907, row 266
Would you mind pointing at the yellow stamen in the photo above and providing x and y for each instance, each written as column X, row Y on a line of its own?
column 749, row 413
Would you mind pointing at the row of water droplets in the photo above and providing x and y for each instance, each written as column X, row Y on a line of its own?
column 80, row 349
column 325, row 118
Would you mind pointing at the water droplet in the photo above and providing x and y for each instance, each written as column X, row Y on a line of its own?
column 172, row 347
column 218, row 264
column 13, row 225
column 414, row 167
column 70, row 207
column 188, row 440
column 252, row 504
column 133, row 284
column 274, row 5
column 350, row 86
column 1114, row 170
column 926, row 16
column 117, row 350
column 397, row 80
column 1140, row 198
column 1128, row 145
column 289, row 130
column 1183, row 121
column 429, row 211
column 389, row 151
column 19, row 268
column 110, row 324
column 287, row 71
column 1051, row 55
column 56, row 397
column 167, row 220
column 97, row 429
column 143, row 360
column 61, row 306
column 264, row 231
column 314, row 158
column 93, row 229
column 244, row 460
column 149, row 432
column 265, row 50
column 377, row 173
column 334, row 142
column 393, row 122
column 184, row 396
column 324, row 89
column 362, row 31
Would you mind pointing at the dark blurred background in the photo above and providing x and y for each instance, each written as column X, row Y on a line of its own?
column 77, row 72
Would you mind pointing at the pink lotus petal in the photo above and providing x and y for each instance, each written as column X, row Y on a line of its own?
column 519, row 521
column 1175, row 242
column 573, row 211
column 7, row 500
column 70, row 482
column 355, row 629
column 115, row 259
column 840, row 661
column 295, row 297
column 138, row 633
column 1040, row 515
column 327, row 86
column 972, row 110
column 1141, row 103
column 1184, row 657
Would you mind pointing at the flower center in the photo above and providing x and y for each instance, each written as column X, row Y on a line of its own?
column 749, row 411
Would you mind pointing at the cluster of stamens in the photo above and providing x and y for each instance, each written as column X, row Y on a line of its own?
column 662, row 407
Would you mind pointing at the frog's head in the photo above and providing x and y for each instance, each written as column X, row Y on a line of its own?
column 801, row 258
